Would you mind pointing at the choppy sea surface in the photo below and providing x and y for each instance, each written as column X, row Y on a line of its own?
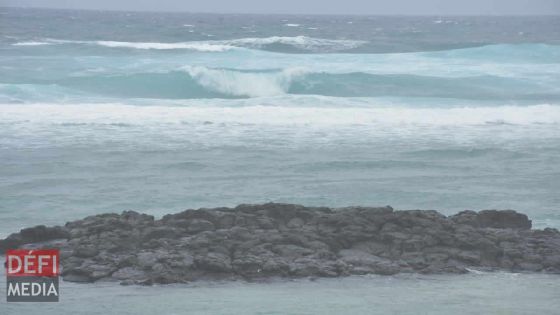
column 158, row 112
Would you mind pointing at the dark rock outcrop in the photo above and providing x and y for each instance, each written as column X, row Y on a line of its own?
column 501, row 219
column 284, row 240
column 40, row 233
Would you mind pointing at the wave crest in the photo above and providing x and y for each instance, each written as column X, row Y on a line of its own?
column 31, row 43
column 197, row 81
column 298, row 42
column 196, row 46
column 239, row 83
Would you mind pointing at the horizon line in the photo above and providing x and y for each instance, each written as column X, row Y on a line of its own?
column 294, row 14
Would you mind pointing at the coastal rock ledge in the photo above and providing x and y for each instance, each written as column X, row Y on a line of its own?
column 257, row 242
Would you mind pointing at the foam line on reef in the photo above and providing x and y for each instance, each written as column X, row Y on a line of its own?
column 45, row 113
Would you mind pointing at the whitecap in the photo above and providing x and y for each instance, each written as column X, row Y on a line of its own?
column 31, row 43
column 300, row 42
column 197, row 46
column 239, row 83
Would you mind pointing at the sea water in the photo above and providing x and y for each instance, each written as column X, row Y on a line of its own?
column 153, row 112
column 475, row 294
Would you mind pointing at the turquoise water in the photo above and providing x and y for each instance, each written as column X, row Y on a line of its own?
column 107, row 111
column 110, row 111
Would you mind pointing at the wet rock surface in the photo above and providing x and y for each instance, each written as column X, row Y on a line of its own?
column 266, row 241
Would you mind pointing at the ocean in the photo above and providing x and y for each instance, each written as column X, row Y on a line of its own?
column 106, row 111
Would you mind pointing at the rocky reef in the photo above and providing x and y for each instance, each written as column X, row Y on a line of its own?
column 273, row 240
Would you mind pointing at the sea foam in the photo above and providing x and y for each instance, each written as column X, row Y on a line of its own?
column 239, row 83
column 31, row 43
column 298, row 42
column 118, row 113
column 197, row 46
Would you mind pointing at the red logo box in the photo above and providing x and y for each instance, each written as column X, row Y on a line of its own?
column 32, row 263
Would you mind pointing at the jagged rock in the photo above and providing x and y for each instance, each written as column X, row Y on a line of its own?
column 284, row 240
column 197, row 225
column 501, row 219
column 36, row 234
column 85, row 251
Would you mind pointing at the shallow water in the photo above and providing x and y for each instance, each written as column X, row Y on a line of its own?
column 477, row 293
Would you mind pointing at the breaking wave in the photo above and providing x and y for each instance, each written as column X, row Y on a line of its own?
column 31, row 43
column 204, row 47
column 242, row 83
column 204, row 82
column 302, row 43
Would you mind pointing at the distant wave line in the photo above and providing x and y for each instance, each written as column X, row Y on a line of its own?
column 299, row 42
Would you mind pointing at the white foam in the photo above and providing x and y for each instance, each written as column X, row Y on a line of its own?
column 291, row 25
column 31, row 43
column 238, row 83
column 277, row 115
column 301, row 42
column 197, row 46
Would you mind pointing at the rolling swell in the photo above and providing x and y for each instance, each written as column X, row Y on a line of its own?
column 203, row 82
column 527, row 72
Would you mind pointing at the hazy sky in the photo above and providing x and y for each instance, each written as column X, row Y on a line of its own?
column 421, row 7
